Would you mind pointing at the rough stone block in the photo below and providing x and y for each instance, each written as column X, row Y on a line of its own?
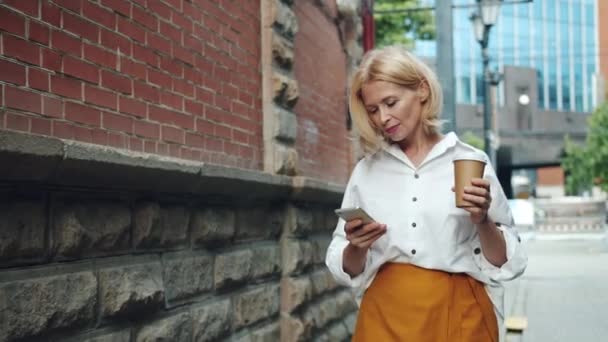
column 91, row 227
column 211, row 321
column 259, row 223
column 22, row 230
column 284, row 19
column 269, row 333
column 330, row 220
column 282, row 51
column 297, row 255
column 350, row 321
column 212, row 226
column 187, row 274
column 337, row 332
column 176, row 328
column 232, row 267
column 295, row 292
column 266, row 261
column 299, row 221
column 129, row 289
column 115, row 336
column 255, row 305
column 319, row 247
column 294, row 329
column 37, row 306
column 322, row 281
column 286, row 125
column 156, row 227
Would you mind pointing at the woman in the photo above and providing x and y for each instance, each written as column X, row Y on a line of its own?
column 426, row 270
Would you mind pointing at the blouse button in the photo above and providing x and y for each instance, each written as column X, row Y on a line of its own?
column 413, row 251
column 414, row 199
column 477, row 250
column 414, row 224
column 416, row 176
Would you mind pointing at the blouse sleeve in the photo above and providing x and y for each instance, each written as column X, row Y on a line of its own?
column 333, row 259
column 500, row 213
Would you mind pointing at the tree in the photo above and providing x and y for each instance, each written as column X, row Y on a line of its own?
column 473, row 140
column 588, row 165
column 402, row 27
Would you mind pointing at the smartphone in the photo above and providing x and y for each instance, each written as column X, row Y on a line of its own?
column 349, row 214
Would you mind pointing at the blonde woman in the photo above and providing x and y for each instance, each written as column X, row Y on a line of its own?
column 426, row 270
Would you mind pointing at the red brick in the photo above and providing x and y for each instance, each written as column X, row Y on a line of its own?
column 160, row 9
column 100, row 97
column 63, row 130
column 162, row 149
column 80, row 69
column 141, row 3
column 82, row 114
column 204, row 126
column 119, row 6
column 150, row 146
column 51, row 60
column 222, row 102
column 214, row 145
column 29, row 7
column 100, row 56
column 38, row 79
column 185, row 55
column 146, row 92
column 223, row 131
column 146, row 129
column 51, row 14
column 136, row 144
column 174, row 150
column 144, row 54
column 204, row 95
column 12, row 72
column 117, row 140
column 172, row 134
column 195, row 140
column 132, row 106
column 185, row 23
column 12, row 22
column 83, row 134
column 183, row 87
column 240, row 137
column 39, row 33
column 132, row 68
column 176, row 4
column 160, row 79
column 99, row 15
column 66, row 43
column 17, row 122
column 195, row 45
column 116, row 82
column 21, row 49
column 144, row 18
column 194, row 108
column 167, row 116
column 192, row 11
column 116, row 42
column 73, row 5
column 80, row 27
column 40, row 126
column 172, row 100
column 158, row 43
column 100, row 137
column 172, row 66
column 66, row 86
column 22, row 99
column 245, row 98
column 52, row 106
column 171, row 32
column 117, row 123
column 129, row 29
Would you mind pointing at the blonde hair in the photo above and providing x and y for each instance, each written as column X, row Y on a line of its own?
column 396, row 65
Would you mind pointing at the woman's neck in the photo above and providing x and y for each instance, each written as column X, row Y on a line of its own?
column 418, row 147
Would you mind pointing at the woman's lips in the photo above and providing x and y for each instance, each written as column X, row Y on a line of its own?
column 391, row 130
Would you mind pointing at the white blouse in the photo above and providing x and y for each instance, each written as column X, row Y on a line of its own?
column 424, row 226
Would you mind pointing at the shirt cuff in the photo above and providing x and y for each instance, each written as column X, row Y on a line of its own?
column 517, row 259
column 334, row 261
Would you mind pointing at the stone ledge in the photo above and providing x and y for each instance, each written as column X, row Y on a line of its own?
column 57, row 162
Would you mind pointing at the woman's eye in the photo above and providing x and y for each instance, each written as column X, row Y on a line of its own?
column 372, row 111
column 390, row 104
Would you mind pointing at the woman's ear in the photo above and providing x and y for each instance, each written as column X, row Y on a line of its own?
column 423, row 91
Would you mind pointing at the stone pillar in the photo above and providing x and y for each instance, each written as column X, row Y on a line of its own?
column 280, row 89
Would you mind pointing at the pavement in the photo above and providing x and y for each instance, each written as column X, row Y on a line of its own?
column 564, row 292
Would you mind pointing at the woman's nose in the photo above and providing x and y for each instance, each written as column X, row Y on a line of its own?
column 384, row 115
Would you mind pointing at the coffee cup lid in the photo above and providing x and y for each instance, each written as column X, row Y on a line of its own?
column 478, row 156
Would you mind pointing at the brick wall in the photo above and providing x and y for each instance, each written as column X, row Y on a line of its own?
column 322, row 142
column 602, row 27
column 550, row 176
column 169, row 77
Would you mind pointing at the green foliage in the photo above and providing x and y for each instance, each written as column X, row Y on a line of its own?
column 402, row 27
column 587, row 165
column 473, row 140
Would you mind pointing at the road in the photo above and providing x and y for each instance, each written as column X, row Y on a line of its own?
column 564, row 291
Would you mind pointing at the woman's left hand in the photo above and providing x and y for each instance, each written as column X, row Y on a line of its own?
column 478, row 193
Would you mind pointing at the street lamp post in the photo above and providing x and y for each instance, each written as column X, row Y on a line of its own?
column 483, row 19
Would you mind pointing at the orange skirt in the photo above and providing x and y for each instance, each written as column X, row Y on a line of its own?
column 409, row 303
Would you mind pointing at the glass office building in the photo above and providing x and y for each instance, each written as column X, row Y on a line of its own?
column 558, row 38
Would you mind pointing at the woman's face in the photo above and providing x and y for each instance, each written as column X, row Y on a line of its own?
column 394, row 109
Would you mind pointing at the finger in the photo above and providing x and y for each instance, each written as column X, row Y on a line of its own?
column 352, row 226
column 476, row 190
column 453, row 189
column 368, row 229
column 367, row 240
column 475, row 210
column 480, row 182
column 478, row 201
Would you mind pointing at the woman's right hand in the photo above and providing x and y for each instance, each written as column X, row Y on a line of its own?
column 362, row 236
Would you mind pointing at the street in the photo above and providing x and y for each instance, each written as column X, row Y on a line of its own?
column 564, row 291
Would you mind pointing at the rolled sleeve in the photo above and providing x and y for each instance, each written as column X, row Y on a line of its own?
column 517, row 259
column 334, row 262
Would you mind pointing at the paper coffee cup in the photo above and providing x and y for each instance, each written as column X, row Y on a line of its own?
column 466, row 167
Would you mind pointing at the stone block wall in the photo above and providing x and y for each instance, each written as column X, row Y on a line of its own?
column 238, row 258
